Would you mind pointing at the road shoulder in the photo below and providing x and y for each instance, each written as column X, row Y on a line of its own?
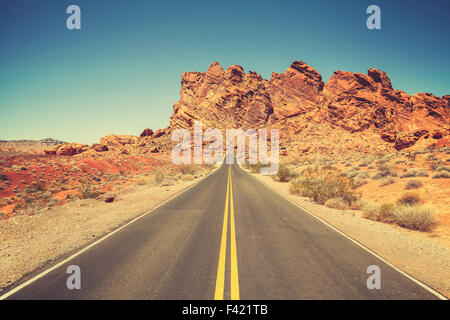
column 410, row 251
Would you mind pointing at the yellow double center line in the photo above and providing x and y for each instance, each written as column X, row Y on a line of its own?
column 220, row 281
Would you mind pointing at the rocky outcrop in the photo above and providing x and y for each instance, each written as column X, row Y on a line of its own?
column 295, row 91
column 67, row 149
column 363, row 108
column 147, row 133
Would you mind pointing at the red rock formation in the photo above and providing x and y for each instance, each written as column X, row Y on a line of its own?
column 67, row 149
column 147, row 133
column 363, row 108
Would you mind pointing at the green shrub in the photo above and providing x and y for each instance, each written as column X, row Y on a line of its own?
column 413, row 184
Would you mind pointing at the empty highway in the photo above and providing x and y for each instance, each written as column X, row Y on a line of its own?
column 227, row 237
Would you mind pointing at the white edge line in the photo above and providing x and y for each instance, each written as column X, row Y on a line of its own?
column 43, row 273
column 423, row 285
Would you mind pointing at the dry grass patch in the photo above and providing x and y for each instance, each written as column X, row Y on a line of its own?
column 321, row 184
column 415, row 217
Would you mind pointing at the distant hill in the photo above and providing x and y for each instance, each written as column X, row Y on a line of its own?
column 19, row 147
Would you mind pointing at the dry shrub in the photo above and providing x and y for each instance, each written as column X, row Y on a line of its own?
column 414, row 172
column 386, row 181
column 31, row 208
column 142, row 181
column 283, row 174
column 409, row 198
column 158, row 176
column 295, row 187
column 187, row 177
column 415, row 217
column 322, row 184
column 413, row 184
column 88, row 192
column 254, row 167
column 371, row 210
column 187, row 169
column 441, row 175
column 337, row 203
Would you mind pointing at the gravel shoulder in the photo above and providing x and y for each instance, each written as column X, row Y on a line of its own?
column 29, row 243
column 424, row 256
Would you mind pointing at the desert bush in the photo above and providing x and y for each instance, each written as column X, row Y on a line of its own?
column 442, row 174
column 283, row 174
column 357, row 205
column 386, row 212
column 88, row 192
column 370, row 209
column 443, row 168
column 411, row 155
column 359, row 181
column 187, row 177
column 384, row 171
column 415, row 217
column 4, row 177
column 295, row 187
column 382, row 213
column 413, row 184
column 337, row 203
column 158, row 176
column 321, row 185
column 409, row 198
column 386, row 181
column 414, row 172
column 254, row 167
column 187, row 169
column 434, row 165
column 142, row 181
column 31, row 208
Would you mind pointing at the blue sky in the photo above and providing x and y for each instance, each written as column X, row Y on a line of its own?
column 121, row 72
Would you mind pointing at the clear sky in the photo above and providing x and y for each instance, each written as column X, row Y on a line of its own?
column 121, row 72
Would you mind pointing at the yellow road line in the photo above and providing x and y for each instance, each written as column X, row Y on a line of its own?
column 234, row 267
column 220, row 280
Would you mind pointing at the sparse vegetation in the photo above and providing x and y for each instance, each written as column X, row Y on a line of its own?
column 441, row 175
column 337, row 203
column 409, row 198
column 159, row 176
column 415, row 217
column 284, row 174
column 88, row 192
column 414, row 172
column 387, row 181
column 321, row 185
column 413, row 184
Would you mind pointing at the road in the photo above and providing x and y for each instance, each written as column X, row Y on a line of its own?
column 227, row 237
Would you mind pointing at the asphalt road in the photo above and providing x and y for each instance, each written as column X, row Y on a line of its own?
column 228, row 237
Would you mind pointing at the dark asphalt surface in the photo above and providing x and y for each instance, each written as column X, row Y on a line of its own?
column 173, row 252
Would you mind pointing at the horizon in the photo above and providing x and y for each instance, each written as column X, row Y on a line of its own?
column 121, row 72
